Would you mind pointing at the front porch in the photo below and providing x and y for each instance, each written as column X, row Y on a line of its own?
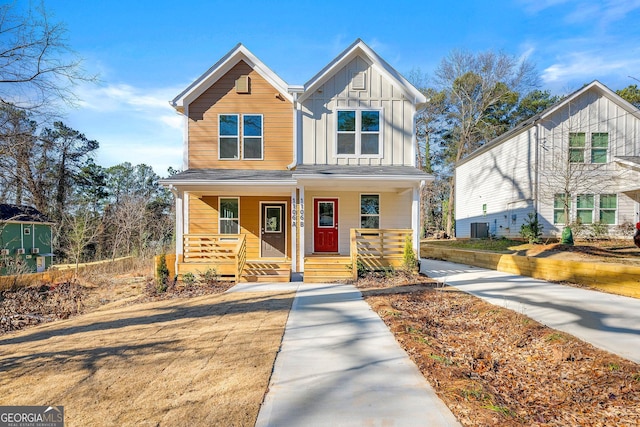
column 370, row 249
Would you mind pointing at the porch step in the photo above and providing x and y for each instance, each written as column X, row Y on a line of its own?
column 261, row 271
column 327, row 269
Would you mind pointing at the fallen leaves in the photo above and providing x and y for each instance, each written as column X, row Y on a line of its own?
column 494, row 366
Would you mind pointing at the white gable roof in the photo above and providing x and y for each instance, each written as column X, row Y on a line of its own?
column 220, row 68
column 359, row 48
column 527, row 124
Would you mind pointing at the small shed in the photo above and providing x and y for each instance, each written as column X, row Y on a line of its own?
column 25, row 239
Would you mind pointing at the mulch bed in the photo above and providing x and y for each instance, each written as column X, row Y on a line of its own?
column 493, row 366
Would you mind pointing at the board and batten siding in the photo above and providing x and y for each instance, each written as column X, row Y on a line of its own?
column 319, row 118
column 500, row 175
column 221, row 98
column 203, row 219
column 395, row 212
column 503, row 179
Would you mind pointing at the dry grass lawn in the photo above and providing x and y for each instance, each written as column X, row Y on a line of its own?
column 198, row 361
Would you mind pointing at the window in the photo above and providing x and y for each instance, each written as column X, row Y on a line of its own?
column 585, row 205
column 599, row 146
column 252, row 136
column 229, row 134
column 370, row 211
column 228, row 147
column 558, row 208
column 608, row 206
column 576, row 147
column 229, row 216
column 358, row 133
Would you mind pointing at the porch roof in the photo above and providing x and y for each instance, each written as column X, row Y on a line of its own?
column 360, row 172
column 194, row 177
column 631, row 162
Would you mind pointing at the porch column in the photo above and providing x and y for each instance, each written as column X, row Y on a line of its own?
column 415, row 220
column 301, row 228
column 179, row 226
column 294, row 224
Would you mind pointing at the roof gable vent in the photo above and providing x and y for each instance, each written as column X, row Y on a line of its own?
column 242, row 84
column 358, row 81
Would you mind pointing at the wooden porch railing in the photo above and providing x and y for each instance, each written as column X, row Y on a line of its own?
column 377, row 249
column 227, row 253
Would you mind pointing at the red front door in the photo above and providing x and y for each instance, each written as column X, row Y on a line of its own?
column 325, row 225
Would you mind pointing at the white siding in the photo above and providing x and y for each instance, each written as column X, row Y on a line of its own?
column 501, row 179
column 508, row 178
column 319, row 119
column 395, row 212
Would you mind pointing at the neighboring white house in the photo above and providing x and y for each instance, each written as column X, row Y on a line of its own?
column 586, row 147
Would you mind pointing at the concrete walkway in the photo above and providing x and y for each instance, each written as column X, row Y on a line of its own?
column 339, row 365
column 611, row 322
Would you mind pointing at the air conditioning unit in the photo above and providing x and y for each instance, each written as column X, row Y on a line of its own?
column 20, row 251
column 35, row 250
column 4, row 251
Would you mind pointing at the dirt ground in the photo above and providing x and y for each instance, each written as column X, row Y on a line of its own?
column 496, row 367
column 182, row 361
column 610, row 251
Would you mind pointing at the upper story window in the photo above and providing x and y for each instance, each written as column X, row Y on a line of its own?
column 597, row 146
column 576, row 147
column 358, row 133
column 230, row 133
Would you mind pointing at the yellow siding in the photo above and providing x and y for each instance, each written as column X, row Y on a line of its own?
column 221, row 98
column 203, row 218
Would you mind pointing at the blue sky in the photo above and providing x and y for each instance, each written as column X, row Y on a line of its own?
column 146, row 52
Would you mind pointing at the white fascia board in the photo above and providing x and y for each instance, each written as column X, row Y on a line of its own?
column 220, row 68
column 12, row 221
column 364, row 178
column 212, row 183
column 359, row 48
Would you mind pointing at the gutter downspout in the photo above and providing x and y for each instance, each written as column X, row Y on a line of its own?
column 295, row 91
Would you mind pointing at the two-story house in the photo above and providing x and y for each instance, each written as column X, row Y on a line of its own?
column 297, row 178
column 25, row 240
column 576, row 162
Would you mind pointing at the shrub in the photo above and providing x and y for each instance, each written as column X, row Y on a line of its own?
column 209, row 276
column 188, row 279
column 599, row 230
column 409, row 260
column 162, row 274
column 531, row 230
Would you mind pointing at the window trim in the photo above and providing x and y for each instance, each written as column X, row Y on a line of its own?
column 220, row 218
column 253, row 137
column 615, row 210
column 358, row 133
column 561, row 209
column 220, row 136
column 378, row 215
column 605, row 149
column 240, row 137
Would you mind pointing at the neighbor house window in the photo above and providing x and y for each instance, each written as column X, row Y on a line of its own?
column 358, row 133
column 558, row 208
column 576, row 147
column 230, row 133
column 599, row 147
column 370, row 211
column 585, row 205
column 229, row 215
column 252, row 136
column 608, row 206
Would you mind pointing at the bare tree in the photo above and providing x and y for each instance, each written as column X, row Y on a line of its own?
column 475, row 86
column 82, row 227
column 573, row 165
column 37, row 67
